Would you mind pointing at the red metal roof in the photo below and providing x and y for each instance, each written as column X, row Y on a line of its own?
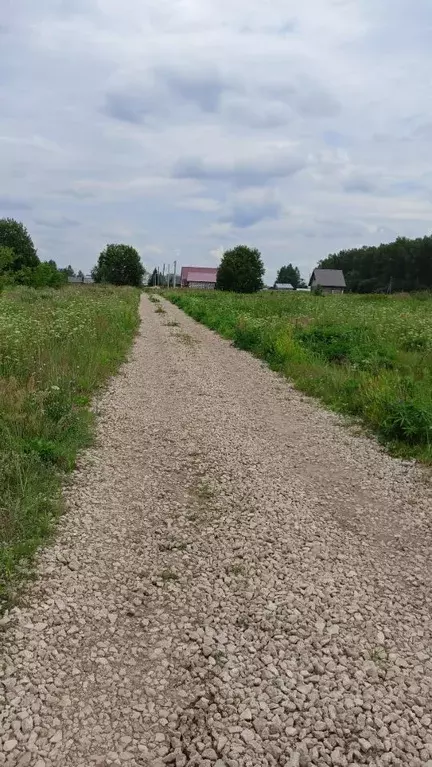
column 198, row 274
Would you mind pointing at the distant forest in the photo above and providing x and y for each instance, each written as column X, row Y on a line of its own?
column 403, row 265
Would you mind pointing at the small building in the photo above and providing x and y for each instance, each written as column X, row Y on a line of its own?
column 283, row 286
column 198, row 277
column 330, row 280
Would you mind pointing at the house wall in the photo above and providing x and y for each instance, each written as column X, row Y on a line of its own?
column 201, row 285
column 328, row 291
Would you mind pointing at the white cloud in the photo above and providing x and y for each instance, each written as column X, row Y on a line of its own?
column 192, row 124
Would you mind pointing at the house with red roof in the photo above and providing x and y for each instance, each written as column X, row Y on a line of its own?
column 198, row 277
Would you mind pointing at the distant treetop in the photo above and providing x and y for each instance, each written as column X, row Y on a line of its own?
column 14, row 235
column 402, row 265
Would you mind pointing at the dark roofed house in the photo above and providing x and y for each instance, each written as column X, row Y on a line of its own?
column 198, row 277
column 330, row 280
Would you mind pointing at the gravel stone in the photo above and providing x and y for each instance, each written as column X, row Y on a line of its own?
column 238, row 580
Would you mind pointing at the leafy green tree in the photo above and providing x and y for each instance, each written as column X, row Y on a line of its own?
column 14, row 235
column 290, row 275
column 80, row 274
column 241, row 270
column 68, row 271
column 6, row 258
column 119, row 265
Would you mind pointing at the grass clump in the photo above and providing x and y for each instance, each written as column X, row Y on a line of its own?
column 367, row 356
column 204, row 491
column 56, row 349
column 169, row 575
column 185, row 339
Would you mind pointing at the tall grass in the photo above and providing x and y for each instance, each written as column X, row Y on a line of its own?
column 369, row 356
column 56, row 349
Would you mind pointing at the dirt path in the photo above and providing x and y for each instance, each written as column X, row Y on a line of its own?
column 238, row 581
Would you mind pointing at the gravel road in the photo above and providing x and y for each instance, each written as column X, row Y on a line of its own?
column 239, row 581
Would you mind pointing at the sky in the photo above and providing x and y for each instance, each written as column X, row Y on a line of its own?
column 185, row 127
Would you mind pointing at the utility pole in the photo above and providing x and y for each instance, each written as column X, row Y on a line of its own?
column 175, row 274
column 168, row 274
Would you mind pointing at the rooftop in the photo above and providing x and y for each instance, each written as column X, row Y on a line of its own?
column 329, row 278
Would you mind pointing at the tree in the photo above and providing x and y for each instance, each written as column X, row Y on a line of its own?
column 290, row 275
column 14, row 235
column 80, row 275
column 119, row 265
column 402, row 265
column 154, row 278
column 7, row 257
column 68, row 271
column 241, row 270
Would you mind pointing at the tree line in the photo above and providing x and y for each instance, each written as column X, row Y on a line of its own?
column 21, row 265
column 402, row 265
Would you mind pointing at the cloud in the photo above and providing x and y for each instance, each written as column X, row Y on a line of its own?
column 306, row 96
column 179, row 125
column 10, row 205
column 199, row 204
column 250, row 207
column 256, row 113
column 241, row 171
column 133, row 107
column 360, row 184
column 202, row 87
column 165, row 91
column 57, row 223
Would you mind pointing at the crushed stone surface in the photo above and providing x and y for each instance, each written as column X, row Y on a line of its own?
column 239, row 580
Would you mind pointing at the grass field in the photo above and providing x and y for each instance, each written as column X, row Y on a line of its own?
column 368, row 356
column 56, row 349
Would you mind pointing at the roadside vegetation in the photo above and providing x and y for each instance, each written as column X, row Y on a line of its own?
column 367, row 356
column 57, row 347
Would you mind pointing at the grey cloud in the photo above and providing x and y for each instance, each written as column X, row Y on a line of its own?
column 164, row 91
column 326, row 228
column 306, row 97
column 202, row 88
column 423, row 132
column 57, row 223
column 247, row 172
column 317, row 103
column 282, row 29
column 133, row 106
column 255, row 113
column 11, row 204
column 359, row 184
column 245, row 214
column 167, row 89
column 77, row 194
